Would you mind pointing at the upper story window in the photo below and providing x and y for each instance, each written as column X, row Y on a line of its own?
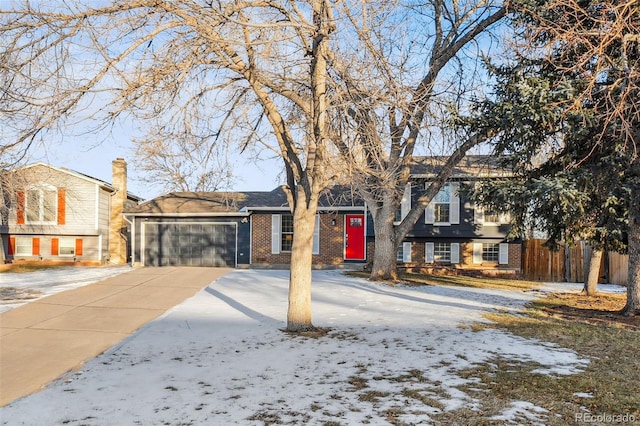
column 442, row 205
column 486, row 216
column 444, row 209
column 41, row 205
column 491, row 216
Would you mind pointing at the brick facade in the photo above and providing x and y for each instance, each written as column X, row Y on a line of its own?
column 418, row 263
column 331, row 241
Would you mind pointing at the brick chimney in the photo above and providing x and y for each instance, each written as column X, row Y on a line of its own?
column 117, row 227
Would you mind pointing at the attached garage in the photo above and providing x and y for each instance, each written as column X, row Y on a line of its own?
column 189, row 244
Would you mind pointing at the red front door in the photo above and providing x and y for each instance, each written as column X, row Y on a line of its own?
column 354, row 237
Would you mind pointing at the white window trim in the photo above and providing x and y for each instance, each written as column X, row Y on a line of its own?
column 503, row 254
column 26, row 243
column 504, row 218
column 454, row 207
column 453, row 258
column 67, row 240
column 41, row 189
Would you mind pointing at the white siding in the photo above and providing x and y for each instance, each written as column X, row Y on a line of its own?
column 79, row 203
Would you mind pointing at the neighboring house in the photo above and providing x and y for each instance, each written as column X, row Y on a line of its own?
column 59, row 215
column 255, row 229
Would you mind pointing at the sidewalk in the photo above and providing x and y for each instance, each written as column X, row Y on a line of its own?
column 44, row 339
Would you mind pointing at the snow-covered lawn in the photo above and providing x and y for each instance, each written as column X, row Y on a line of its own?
column 221, row 358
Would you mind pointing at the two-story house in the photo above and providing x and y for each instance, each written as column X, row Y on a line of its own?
column 59, row 215
column 453, row 232
column 255, row 229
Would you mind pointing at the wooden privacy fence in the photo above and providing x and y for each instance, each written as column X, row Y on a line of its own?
column 569, row 263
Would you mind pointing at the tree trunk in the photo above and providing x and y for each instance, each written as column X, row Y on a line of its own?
column 633, row 281
column 591, row 279
column 385, row 252
column 299, row 311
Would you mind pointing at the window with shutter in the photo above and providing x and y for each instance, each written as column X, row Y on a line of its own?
column 24, row 246
column 286, row 232
column 40, row 206
column 444, row 209
column 282, row 234
column 67, row 246
column 404, row 253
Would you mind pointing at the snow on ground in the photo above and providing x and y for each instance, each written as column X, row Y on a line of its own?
column 221, row 358
column 46, row 282
column 578, row 287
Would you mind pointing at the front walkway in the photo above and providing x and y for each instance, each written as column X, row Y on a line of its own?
column 42, row 340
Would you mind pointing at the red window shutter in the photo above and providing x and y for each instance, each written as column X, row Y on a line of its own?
column 78, row 246
column 35, row 243
column 20, row 208
column 62, row 208
column 54, row 247
column 12, row 246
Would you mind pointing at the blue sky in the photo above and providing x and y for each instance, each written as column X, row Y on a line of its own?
column 78, row 154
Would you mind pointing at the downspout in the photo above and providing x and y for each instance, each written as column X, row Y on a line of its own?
column 133, row 237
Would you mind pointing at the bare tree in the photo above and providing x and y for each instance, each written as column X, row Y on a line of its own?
column 183, row 162
column 254, row 70
column 416, row 68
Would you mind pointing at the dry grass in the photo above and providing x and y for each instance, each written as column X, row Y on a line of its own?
column 590, row 326
column 31, row 267
column 594, row 329
column 459, row 280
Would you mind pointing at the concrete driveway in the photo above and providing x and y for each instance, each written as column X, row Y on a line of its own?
column 44, row 339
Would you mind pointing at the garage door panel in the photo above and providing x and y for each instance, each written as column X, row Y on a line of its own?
column 189, row 244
